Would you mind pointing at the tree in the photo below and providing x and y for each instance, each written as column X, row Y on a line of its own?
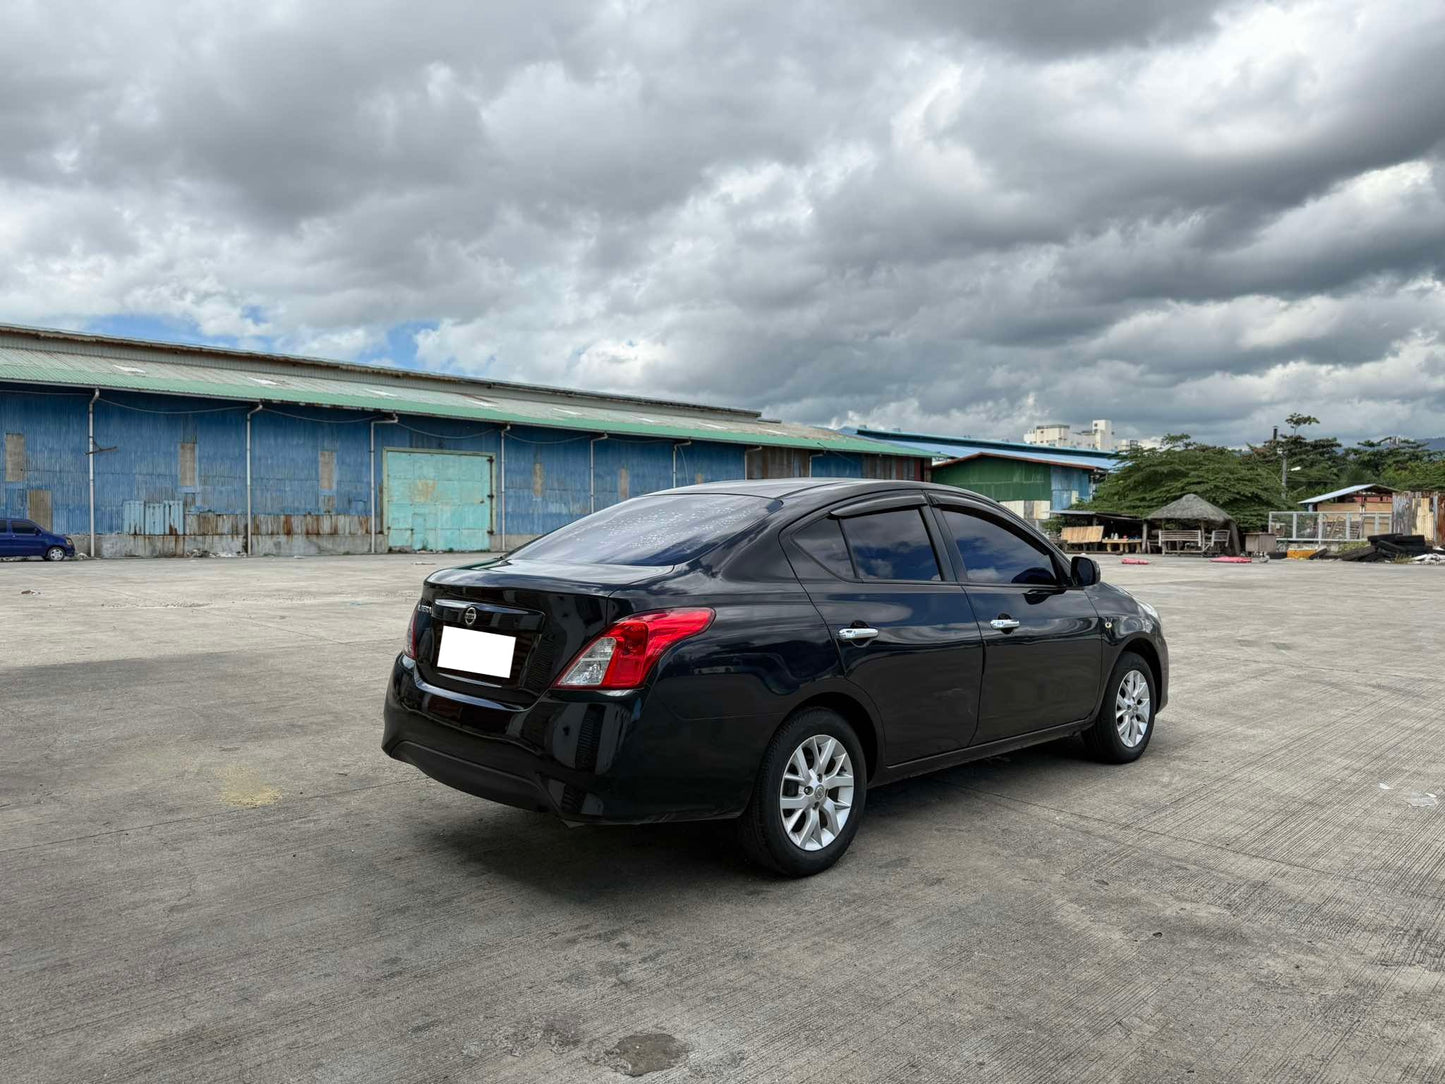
column 1247, row 488
column 1247, row 484
column 1380, row 460
column 1420, row 474
column 1303, row 465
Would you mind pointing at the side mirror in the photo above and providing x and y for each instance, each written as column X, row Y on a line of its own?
column 1085, row 570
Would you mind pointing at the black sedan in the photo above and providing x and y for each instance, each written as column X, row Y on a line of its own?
column 768, row 651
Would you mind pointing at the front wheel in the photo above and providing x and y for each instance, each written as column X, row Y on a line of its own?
column 808, row 799
column 55, row 553
column 1125, row 724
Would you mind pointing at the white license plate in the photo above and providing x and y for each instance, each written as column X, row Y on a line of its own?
column 476, row 652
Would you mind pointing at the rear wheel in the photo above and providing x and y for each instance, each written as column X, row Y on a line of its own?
column 809, row 796
column 55, row 553
column 1125, row 724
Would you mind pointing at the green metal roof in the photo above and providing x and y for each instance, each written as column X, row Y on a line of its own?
column 31, row 355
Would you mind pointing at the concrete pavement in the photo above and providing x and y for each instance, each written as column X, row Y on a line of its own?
column 209, row 871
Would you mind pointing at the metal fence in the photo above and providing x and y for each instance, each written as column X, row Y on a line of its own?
column 1327, row 527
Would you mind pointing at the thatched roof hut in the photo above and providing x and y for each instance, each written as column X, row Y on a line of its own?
column 1192, row 508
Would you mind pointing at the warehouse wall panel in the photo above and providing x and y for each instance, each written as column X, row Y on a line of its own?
column 49, row 456
column 648, row 466
column 705, row 461
column 547, row 482
column 170, row 471
column 140, row 454
column 838, row 465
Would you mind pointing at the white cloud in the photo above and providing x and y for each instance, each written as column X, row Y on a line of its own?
column 960, row 216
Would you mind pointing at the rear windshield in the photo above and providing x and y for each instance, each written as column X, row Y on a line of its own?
column 663, row 530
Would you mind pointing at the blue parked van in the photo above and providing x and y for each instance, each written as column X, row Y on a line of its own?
column 22, row 538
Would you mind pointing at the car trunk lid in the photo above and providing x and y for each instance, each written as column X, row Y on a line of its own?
column 547, row 611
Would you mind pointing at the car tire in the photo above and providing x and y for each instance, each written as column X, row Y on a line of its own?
column 1125, row 722
column 787, row 827
column 55, row 553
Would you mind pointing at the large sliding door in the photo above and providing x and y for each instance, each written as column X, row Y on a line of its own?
column 437, row 500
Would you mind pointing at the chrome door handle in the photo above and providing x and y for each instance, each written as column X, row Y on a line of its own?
column 1004, row 622
column 856, row 634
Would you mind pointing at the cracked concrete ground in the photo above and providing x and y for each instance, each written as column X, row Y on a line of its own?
column 209, row 871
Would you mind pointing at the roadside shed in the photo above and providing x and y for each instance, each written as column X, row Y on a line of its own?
column 1110, row 531
column 1370, row 497
column 1192, row 524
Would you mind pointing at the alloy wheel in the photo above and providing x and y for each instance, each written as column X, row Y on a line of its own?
column 1131, row 709
column 816, row 797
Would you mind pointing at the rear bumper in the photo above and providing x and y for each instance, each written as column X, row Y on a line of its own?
column 589, row 758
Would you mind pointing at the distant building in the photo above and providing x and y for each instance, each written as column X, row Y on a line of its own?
column 1132, row 444
column 1053, row 435
column 1028, row 479
column 1099, row 437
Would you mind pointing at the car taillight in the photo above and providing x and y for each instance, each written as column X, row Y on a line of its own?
column 623, row 656
column 408, row 647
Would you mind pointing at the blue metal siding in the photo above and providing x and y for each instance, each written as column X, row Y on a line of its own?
column 546, row 479
column 141, row 435
column 647, row 465
column 137, row 480
column 286, row 463
column 837, row 465
column 54, row 431
column 710, row 462
column 1070, row 484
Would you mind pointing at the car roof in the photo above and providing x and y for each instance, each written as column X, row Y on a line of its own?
column 821, row 488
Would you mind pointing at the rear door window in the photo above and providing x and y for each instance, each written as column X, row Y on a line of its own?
column 663, row 530
column 823, row 542
column 891, row 545
column 991, row 553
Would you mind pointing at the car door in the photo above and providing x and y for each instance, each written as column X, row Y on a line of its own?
column 7, row 541
column 903, row 628
column 26, row 539
column 1042, row 637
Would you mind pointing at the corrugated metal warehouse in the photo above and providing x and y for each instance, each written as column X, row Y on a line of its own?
column 148, row 449
column 1029, row 479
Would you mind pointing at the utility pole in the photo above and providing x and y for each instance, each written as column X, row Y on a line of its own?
column 1283, row 464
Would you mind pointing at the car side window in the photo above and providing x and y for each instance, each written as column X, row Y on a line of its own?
column 823, row 542
column 20, row 526
column 891, row 545
column 991, row 553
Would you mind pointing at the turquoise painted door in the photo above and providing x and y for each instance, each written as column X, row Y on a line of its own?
column 437, row 500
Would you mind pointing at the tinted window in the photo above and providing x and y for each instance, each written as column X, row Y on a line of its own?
column 891, row 546
column 823, row 541
column 664, row 530
column 993, row 554
column 20, row 526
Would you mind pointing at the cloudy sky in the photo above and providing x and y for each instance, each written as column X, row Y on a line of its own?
column 959, row 216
